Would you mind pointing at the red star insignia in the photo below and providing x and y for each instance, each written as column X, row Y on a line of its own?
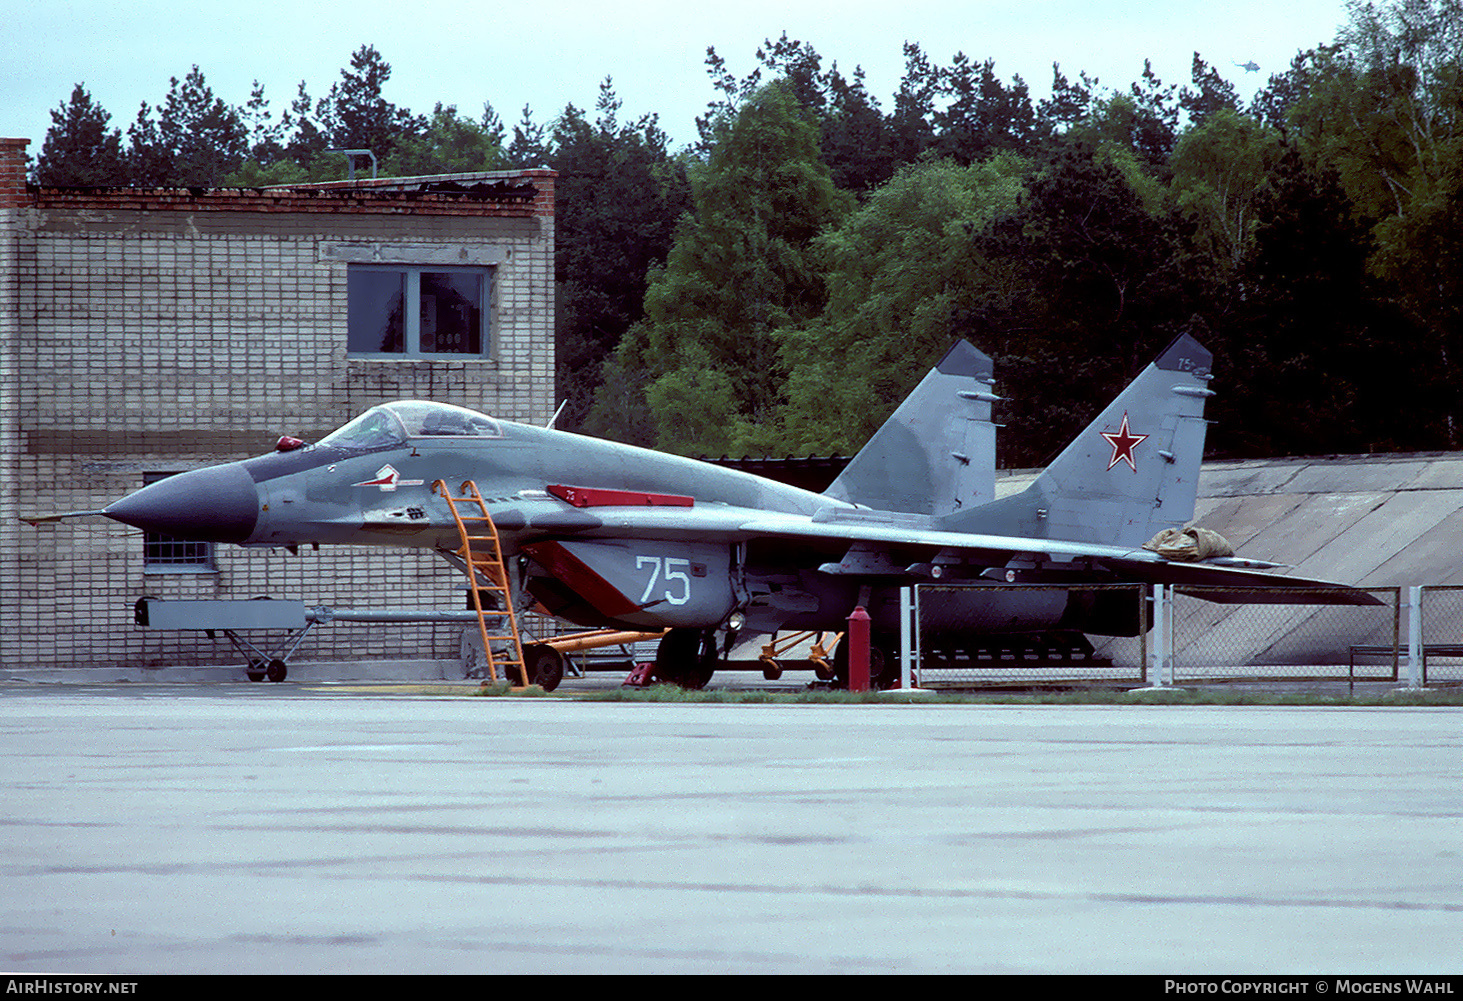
column 1122, row 444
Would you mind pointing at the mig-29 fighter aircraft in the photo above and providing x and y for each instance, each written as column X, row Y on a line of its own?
column 607, row 535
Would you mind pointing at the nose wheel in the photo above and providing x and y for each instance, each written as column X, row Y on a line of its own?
column 275, row 670
column 545, row 666
column 686, row 657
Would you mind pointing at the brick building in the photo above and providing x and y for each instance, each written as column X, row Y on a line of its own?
column 147, row 332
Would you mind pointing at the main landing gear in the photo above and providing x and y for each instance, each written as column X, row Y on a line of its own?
column 883, row 664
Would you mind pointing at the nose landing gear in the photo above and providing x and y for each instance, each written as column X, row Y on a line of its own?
column 687, row 657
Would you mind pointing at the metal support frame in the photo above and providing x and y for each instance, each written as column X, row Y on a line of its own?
column 907, row 657
column 1415, row 653
column 350, row 160
column 231, row 617
column 271, row 664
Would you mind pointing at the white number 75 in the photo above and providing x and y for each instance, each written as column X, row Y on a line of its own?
column 672, row 568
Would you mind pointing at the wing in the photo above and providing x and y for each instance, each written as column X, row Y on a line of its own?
column 907, row 548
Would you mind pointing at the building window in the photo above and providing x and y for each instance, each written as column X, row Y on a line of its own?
column 165, row 554
column 400, row 311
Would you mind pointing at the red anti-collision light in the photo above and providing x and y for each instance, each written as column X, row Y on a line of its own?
column 287, row 444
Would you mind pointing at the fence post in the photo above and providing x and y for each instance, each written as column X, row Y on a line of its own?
column 906, row 634
column 1142, row 634
column 1414, row 636
column 1160, row 637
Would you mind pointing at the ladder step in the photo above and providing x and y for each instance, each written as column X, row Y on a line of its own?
column 487, row 562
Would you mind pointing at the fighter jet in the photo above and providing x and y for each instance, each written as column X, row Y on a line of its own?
column 607, row 535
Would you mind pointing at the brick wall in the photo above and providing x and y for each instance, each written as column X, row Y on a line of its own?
column 12, row 198
column 156, row 331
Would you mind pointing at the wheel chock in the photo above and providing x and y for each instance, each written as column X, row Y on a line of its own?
column 640, row 677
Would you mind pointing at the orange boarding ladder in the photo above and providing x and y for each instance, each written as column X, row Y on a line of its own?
column 482, row 557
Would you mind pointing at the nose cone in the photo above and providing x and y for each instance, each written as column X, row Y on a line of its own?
column 217, row 504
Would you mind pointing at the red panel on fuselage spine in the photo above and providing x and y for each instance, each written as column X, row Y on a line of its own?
column 599, row 497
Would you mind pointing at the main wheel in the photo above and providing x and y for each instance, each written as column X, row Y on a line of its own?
column 686, row 657
column 883, row 665
column 277, row 670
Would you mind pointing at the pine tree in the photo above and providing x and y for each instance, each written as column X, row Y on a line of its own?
column 619, row 195
column 355, row 115
column 740, row 269
column 196, row 140
column 79, row 149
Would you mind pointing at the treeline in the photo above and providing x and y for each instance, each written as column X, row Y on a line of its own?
column 778, row 287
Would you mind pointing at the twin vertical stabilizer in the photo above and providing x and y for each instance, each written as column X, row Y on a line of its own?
column 1133, row 472
column 937, row 454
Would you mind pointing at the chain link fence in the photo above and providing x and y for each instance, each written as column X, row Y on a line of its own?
column 991, row 635
column 1441, row 634
column 1258, row 634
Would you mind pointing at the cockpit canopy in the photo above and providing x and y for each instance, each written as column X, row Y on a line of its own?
column 393, row 423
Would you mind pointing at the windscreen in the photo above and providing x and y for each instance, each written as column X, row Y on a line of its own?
column 376, row 428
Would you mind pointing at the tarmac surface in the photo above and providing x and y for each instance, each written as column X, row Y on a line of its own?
column 310, row 827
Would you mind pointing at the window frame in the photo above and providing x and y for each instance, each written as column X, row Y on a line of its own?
column 198, row 556
column 411, row 275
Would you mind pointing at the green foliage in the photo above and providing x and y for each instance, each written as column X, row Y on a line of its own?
column 80, row 149
column 619, row 194
column 740, row 269
column 527, row 148
column 1219, row 166
column 856, row 144
column 264, row 133
column 730, row 299
column 196, row 140
column 307, row 140
column 982, row 115
column 899, row 271
column 356, row 114
column 253, row 174
column 1093, row 294
column 1303, row 342
column 1143, row 122
column 449, row 144
column 1209, row 695
column 1210, row 95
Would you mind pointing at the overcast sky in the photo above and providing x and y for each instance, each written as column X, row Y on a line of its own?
column 548, row 55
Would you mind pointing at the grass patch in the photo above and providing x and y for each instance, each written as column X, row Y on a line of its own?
column 674, row 693
column 501, row 689
column 1071, row 697
column 1203, row 695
